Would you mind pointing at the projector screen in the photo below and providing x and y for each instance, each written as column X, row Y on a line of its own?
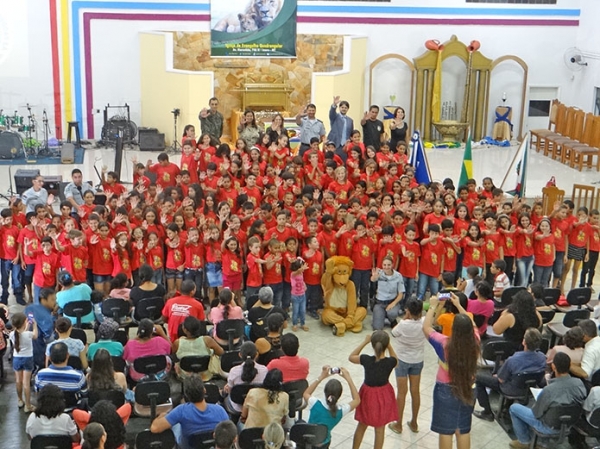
column 14, row 39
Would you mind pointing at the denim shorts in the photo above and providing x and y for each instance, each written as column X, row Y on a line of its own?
column 449, row 413
column 214, row 274
column 404, row 369
column 101, row 278
column 173, row 273
column 23, row 363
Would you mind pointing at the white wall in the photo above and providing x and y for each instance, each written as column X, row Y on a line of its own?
column 115, row 54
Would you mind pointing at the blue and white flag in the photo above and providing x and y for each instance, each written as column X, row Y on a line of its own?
column 418, row 160
column 514, row 180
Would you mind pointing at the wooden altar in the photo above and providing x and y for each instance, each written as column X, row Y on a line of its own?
column 266, row 96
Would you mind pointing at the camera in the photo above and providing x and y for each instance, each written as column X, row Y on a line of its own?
column 335, row 370
column 176, row 111
column 444, row 295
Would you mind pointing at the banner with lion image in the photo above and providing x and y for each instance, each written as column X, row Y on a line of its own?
column 253, row 28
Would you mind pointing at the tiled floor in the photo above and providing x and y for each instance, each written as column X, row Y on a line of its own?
column 318, row 345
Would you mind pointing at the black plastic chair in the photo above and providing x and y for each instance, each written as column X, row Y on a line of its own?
column 119, row 364
column 560, row 418
column 115, row 396
column 121, row 336
column 497, row 351
column 201, row 332
column 547, row 316
column 150, row 308
column 71, row 399
column 75, row 363
column 577, row 298
column 149, row 440
column 202, row 440
column 212, row 393
column 78, row 309
column 250, row 301
column 551, row 296
column 229, row 359
column 523, row 382
column 150, row 365
column 307, row 436
column 194, row 363
column 237, row 395
column 231, row 330
column 571, row 318
column 118, row 309
column 507, row 296
column 295, row 390
column 52, row 442
column 251, row 438
column 589, row 427
column 151, row 394
column 79, row 334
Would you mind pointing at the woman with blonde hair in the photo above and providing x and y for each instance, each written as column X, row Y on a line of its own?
column 273, row 436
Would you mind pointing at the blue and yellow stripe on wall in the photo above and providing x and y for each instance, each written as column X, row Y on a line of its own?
column 73, row 23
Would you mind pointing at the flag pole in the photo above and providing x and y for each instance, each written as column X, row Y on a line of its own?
column 511, row 163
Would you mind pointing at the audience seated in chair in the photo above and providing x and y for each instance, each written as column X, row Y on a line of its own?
column 226, row 310
column 225, row 435
column 269, row 347
column 102, row 375
column 448, row 309
column 530, row 360
column 517, row 318
column 76, row 347
column 260, row 312
column 590, row 361
column 71, row 292
column 118, row 287
column 195, row 344
column 273, row 436
column 146, row 288
column 105, row 339
column 292, row 366
column 49, row 417
column 266, row 404
column 573, row 346
column 249, row 372
column 150, row 340
column 195, row 416
column 112, row 419
column 180, row 307
column 562, row 390
column 59, row 373
column 483, row 306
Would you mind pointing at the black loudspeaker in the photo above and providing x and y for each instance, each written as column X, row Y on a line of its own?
column 151, row 140
column 11, row 145
column 24, row 178
column 52, row 184
column 67, row 153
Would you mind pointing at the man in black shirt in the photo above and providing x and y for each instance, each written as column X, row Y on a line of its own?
column 260, row 312
column 373, row 133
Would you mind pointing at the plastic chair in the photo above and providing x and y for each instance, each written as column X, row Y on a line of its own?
column 307, row 436
column 151, row 394
column 250, row 301
column 231, row 330
column 118, row 309
column 150, row 308
column 75, row 363
column 589, row 427
column 551, row 296
column 78, row 309
column 237, row 395
column 121, row 336
column 119, row 364
column 547, row 316
column 497, row 351
column 561, row 418
column 202, row 440
column 212, row 393
column 150, row 365
column 523, row 382
column 229, row 359
column 507, row 296
column 577, row 298
column 571, row 318
column 79, row 334
column 194, row 363
column 52, row 442
column 115, row 396
column 295, row 390
column 251, row 438
column 149, row 440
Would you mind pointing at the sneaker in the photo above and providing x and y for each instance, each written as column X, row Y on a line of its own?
column 305, row 328
column 314, row 315
column 20, row 403
column 482, row 414
column 516, row 444
column 28, row 408
column 295, row 328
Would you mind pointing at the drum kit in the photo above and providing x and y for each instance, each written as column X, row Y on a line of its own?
column 19, row 135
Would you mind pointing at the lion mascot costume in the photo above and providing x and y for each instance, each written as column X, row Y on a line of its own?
column 340, row 297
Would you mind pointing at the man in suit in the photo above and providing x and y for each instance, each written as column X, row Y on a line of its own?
column 341, row 126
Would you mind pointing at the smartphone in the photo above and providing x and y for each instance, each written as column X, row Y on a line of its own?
column 444, row 295
column 334, row 370
column 30, row 317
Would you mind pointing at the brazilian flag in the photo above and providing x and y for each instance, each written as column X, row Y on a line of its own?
column 466, row 172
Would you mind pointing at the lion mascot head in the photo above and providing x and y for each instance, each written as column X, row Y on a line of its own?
column 340, row 268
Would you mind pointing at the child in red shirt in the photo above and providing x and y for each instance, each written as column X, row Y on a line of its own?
column 452, row 246
column 543, row 253
column 28, row 232
column 175, row 263
column 493, row 244
column 409, row 262
column 103, row 262
column 110, row 183
column 194, row 260
column 290, row 254
column 363, row 255
column 272, row 276
column 432, row 262
column 47, row 264
column 75, row 255
column 121, row 254
column 255, row 264
column 232, row 265
column 214, row 267
column 388, row 247
column 312, row 276
column 155, row 257
column 579, row 244
column 11, row 263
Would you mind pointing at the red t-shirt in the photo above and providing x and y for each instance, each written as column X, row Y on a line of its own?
column 255, row 273
column 329, row 242
column 10, row 237
column 508, row 243
column 232, row 263
column 282, row 236
column 524, row 244
column 579, row 235
column 213, row 251
column 165, row 176
column 594, row 240
column 561, row 229
column 391, row 249
column 342, row 191
column 363, row 250
column 177, row 309
column 473, row 255
column 155, row 257
column 139, row 257
column 312, row 276
column 272, row 275
column 77, row 262
column 493, row 243
column 254, row 195
column 449, row 257
column 543, row 250
column 121, row 264
column 175, row 256
column 431, row 260
column 194, row 256
column 46, row 267
column 189, row 163
column 116, row 189
column 408, row 262
column 102, row 257
column 34, row 243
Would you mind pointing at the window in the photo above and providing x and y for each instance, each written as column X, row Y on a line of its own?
column 539, row 108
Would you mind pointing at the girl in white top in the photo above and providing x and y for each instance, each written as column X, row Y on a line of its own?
column 409, row 344
column 22, row 340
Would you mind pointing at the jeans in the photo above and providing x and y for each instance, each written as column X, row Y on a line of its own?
column 379, row 314
column 12, row 270
column 299, row 309
column 522, row 419
column 424, row 282
column 36, row 294
column 484, row 380
column 362, row 283
column 524, row 267
column 589, row 270
column 198, row 277
column 314, row 297
column 158, row 276
column 542, row 275
column 410, row 285
column 510, row 262
column 277, row 293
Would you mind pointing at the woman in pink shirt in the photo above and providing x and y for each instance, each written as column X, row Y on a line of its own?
column 226, row 310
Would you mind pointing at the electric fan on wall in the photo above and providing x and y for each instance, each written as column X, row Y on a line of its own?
column 574, row 59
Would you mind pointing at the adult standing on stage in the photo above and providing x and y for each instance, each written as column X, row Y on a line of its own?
column 75, row 190
column 373, row 132
column 211, row 120
column 398, row 130
column 341, row 126
column 310, row 126
column 36, row 195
